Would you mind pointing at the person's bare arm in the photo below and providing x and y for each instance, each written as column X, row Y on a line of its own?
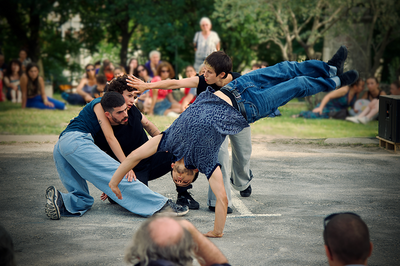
column 140, row 85
column 206, row 249
column 221, row 206
column 23, row 82
column 188, row 98
column 218, row 46
column 149, row 127
column 43, row 93
column 143, row 152
column 332, row 95
column 86, row 96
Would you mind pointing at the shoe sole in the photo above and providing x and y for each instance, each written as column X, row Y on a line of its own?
column 345, row 57
column 51, row 208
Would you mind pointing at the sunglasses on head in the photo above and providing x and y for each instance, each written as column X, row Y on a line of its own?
column 330, row 217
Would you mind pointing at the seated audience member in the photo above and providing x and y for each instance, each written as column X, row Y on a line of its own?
column 84, row 90
column 2, row 72
column 24, row 59
column 12, row 80
column 264, row 64
column 118, row 71
column 163, row 102
column 166, row 241
column 335, row 103
column 33, row 91
column 107, row 70
column 372, row 110
column 144, row 101
column 347, row 240
column 255, row 66
column 131, row 69
column 190, row 93
column 7, row 257
column 97, row 67
column 99, row 89
column 395, row 88
column 152, row 64
column 202, row 69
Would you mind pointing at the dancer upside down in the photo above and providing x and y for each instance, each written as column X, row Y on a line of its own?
column 196, row 135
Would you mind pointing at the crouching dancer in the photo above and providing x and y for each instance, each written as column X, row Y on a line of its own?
column 195, row 137
column 79, row 160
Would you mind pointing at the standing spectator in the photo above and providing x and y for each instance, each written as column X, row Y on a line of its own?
column 33, row 92
column 346, row 238
column 152, row 64
column 395, row 88
column 205, row 42
column 131, row 69
column 372, row 110
column 24, row 59
column 163, row 102
column 11, row 81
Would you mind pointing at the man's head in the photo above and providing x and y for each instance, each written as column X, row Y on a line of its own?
column 218, row 65
column 101, row 82
column 155, row 57
column 161, row 238
column 114, row 107
column 346, row 239
column 120, row 85
column 182, row 176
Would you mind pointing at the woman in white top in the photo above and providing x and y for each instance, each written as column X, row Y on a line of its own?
column 205, row 42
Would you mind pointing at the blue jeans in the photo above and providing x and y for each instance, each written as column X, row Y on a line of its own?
column 260, row 92
column 161, row 107
column 37, row 102
column 78, row 160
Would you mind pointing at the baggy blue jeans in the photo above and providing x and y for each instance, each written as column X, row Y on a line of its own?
column 260, row 92
column 37, row 102
column 78, row 160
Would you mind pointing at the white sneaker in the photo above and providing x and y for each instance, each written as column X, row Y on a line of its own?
column 353, row 119
column 365, row 120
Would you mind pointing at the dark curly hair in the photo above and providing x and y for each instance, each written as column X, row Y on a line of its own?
column 119, row 85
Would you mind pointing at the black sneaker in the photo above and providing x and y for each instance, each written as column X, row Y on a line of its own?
column 338, row 60
column 247, row 192
column 348, row 77
column 185, row 199
column 211, row 208
column 52, row 198
column 175, row 208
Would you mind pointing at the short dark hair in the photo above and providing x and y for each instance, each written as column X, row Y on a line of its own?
column 110, row 100
column 119, row 85
column 347, row 236
column 220, row 62
column 101, row 79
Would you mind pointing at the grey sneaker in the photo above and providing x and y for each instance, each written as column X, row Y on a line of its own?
column 52, row 209
column 175, row 208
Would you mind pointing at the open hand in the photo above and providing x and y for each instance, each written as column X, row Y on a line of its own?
column 103, row 196
column 116, row 191
column 130, row 176
column 136, row 83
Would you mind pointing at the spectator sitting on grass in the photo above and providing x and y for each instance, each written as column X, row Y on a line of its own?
column 395, row 88
column 335, row 103
column 99, row 89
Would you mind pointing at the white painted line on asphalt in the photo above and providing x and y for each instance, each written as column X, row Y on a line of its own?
column 243, row 210
column 239, row 205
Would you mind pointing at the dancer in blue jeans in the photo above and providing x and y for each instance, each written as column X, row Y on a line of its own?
column 195, row 137
column 79, row 160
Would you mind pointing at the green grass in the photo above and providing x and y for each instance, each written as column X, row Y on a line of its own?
column 17, row 121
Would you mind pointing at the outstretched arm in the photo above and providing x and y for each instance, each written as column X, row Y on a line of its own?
column 140, row 85
column 143, row 152
column 206, row 249
column 332, row 95
column 221, row 207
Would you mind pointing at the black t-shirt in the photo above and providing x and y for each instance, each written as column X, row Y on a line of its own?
column 202, row 86
column 130, row 136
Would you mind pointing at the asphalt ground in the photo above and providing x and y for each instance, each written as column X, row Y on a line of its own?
column 296, row 184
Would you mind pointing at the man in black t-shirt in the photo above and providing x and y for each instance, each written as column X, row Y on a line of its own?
column 133, row 135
